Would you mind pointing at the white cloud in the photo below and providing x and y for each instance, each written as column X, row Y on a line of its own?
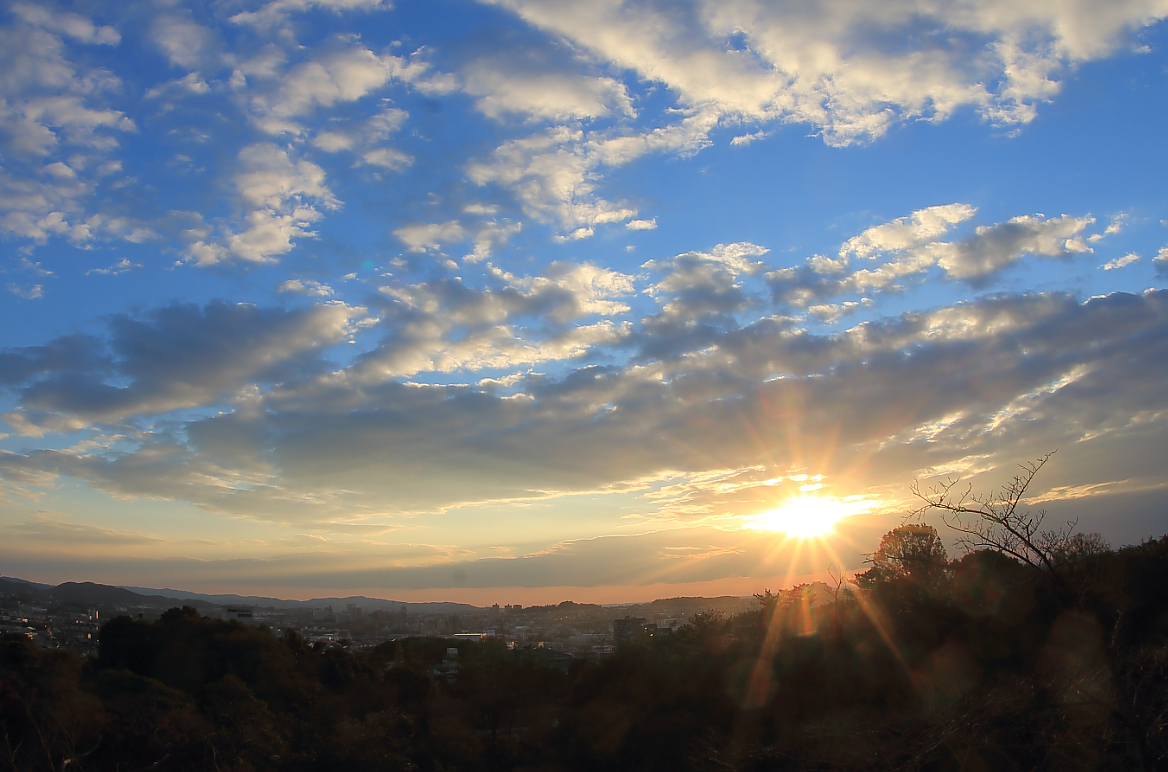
column 32, row 292
column 185, row 42
column 191, row 83
column 585, row 232
column 365, row 136
column 491, row 235
column 1120, row 262
column 333, row 141
column 429, row 237
column 344, row 74
column 120, row 266
column 1117, row 224
column 746, row 139
column 269, row 234
column 833, row 312
column 387, row 158
column 34, row 267
column 512, row 84
column 271, row 178
column 911, row 246
column 1160, row 261
column 921, row 227
column 735, row 257
column 642, row 225
column 850, row 69
column 56, row 128
column 284, row 196
column 275, row 13
column 446, row 327
column 306, row 287
column 591, row 289
column 554, row 174
column 73, row 25
column 491, row 348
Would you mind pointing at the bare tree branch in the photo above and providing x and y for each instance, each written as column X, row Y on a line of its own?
column 996, row 521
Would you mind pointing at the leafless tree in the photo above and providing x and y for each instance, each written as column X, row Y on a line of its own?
column 996, row 521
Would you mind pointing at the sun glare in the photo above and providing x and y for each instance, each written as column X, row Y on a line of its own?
column 807, row 517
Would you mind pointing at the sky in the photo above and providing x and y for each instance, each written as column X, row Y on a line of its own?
column 521, row 301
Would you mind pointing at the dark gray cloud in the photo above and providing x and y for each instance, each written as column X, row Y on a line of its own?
column 70, row 355
column 172, row 357
column 1004, row 377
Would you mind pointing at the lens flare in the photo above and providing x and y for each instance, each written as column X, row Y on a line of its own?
column 807, row 517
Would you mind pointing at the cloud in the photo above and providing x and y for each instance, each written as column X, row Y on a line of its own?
column 185, row 42
column 992, row 248
column 921, row 227
column 989, row 380
column 443, row 326
column 344, row 73
column 276, row 13
column 1117, row 224
column 31, row 292
column 191, row 83
column 306, row 287
column 554, row 174
column 1120, row 262
column 120, row 266
column 746, row 139
column 174, row 357
column 1160, row 261
column 56, row 128
column 429, row 237
column 284, row 196
column 701, row 283
column 73, row 25
column 53, row 529
column 365, row 137
column 642, row 225
column 526, row 85
column 910, row 248
column 387, row 158
column 849, row 69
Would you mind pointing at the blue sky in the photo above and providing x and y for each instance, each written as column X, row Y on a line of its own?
column 534, row 299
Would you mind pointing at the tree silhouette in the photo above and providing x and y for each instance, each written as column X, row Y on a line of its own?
column 912, row 552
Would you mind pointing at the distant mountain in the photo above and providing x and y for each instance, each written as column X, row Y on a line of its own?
column 25, row 582
column 338, row 604
column 91, row 593
column 105, row 595
column 87, row 594
column 20, row 588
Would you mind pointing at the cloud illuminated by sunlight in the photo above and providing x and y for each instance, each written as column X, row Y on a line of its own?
column 808, row 516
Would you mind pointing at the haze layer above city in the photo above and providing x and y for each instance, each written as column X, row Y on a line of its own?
column 521, row 301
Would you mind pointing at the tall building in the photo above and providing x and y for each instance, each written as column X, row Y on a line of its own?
column 627, row 629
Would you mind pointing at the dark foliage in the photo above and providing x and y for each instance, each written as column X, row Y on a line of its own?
column 986, row 662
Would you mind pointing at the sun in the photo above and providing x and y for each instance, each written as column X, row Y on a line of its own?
column 807, row 517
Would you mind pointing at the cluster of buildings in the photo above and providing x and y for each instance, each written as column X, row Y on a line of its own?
column 565, row 631
column 52, row 628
